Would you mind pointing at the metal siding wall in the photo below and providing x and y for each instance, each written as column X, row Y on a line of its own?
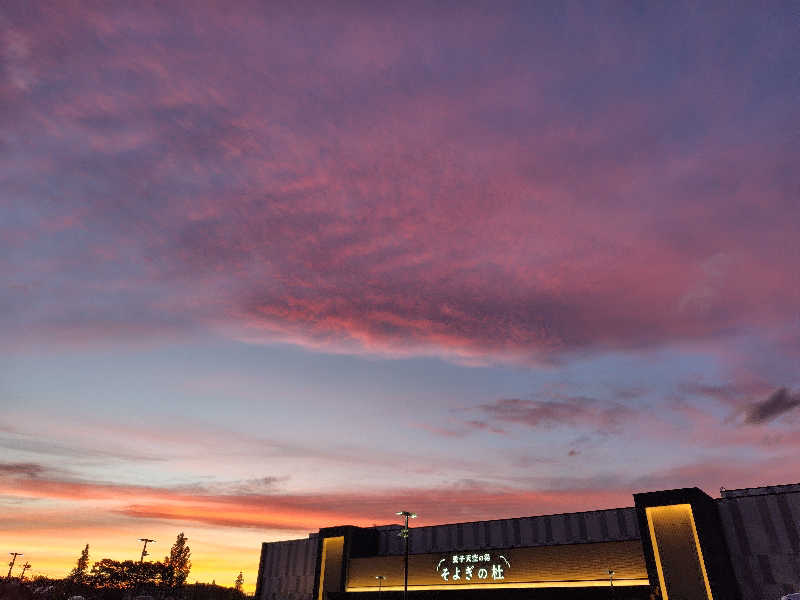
column 516, row 527
column 593, row 528
column 495, row 537
column 429, row 538
column 525, row 532
column 469, row 535
column 452, row 536
column 596, row 526
column 396, row 545
column 569, row 533
column 288, row 572
column 416, row 539
column 260, row 572
column 763, row 537
column 559, row 529
column 504, row 533
column 381, row 544
column 583, row 529
column 624, row 523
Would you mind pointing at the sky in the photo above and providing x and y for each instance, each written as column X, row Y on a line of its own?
column 272, row 266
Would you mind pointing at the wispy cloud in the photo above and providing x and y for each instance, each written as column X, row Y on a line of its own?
column 279, row 510
column 777, row 404
column 33, row 444
column 731, row 393
column 700, row 416
column 406, row 204
column 29, row 470
column 576, row 412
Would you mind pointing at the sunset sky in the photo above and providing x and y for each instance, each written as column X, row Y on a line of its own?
column 267, row 266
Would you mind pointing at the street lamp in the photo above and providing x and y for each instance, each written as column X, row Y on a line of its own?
column 611, row 581
column 380, row 579
column 404, row 534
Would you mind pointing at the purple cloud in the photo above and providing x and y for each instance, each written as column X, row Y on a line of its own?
column 571, row 412
column 392, row 188
column 778, row 403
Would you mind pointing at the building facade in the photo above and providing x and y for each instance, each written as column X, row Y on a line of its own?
column 673, row 544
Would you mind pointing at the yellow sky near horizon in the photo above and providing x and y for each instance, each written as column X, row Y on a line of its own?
column 217, row 554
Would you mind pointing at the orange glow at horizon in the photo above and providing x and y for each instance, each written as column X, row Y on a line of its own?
column 218, row 554
column 51, row 520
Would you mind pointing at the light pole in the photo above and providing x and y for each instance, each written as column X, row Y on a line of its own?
column 14, row 556
column 404, row 534
column 611, row 581
column 380, row 579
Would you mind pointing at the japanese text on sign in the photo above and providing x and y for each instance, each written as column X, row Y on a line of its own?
column 460, row 569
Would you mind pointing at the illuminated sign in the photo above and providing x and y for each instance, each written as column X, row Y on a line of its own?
column 461, row 568
column 568, row 565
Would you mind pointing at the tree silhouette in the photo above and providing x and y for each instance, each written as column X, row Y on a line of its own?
column 78, row 574
column 114, row 574
column 177, row 564
column 239, row 582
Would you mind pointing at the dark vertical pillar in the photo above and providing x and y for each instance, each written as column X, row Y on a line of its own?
column 712, row 548
column 357, row 542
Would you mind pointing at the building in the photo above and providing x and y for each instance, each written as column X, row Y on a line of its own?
column 673, row 544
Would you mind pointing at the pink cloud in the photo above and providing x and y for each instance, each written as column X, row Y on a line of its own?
column 306, row 511
column 365, row 207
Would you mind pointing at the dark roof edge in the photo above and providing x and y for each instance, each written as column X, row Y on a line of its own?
column 762, row 490
column 579, row 512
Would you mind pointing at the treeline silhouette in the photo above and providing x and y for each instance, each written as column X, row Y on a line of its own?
column 109, row 579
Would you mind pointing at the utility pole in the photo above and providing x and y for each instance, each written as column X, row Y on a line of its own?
column 136, row 579
column 11, row 564
column 25, row 567
column 404, row 534
column 144, row 548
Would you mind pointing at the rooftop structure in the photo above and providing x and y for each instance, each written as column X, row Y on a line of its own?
column 675, row 544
